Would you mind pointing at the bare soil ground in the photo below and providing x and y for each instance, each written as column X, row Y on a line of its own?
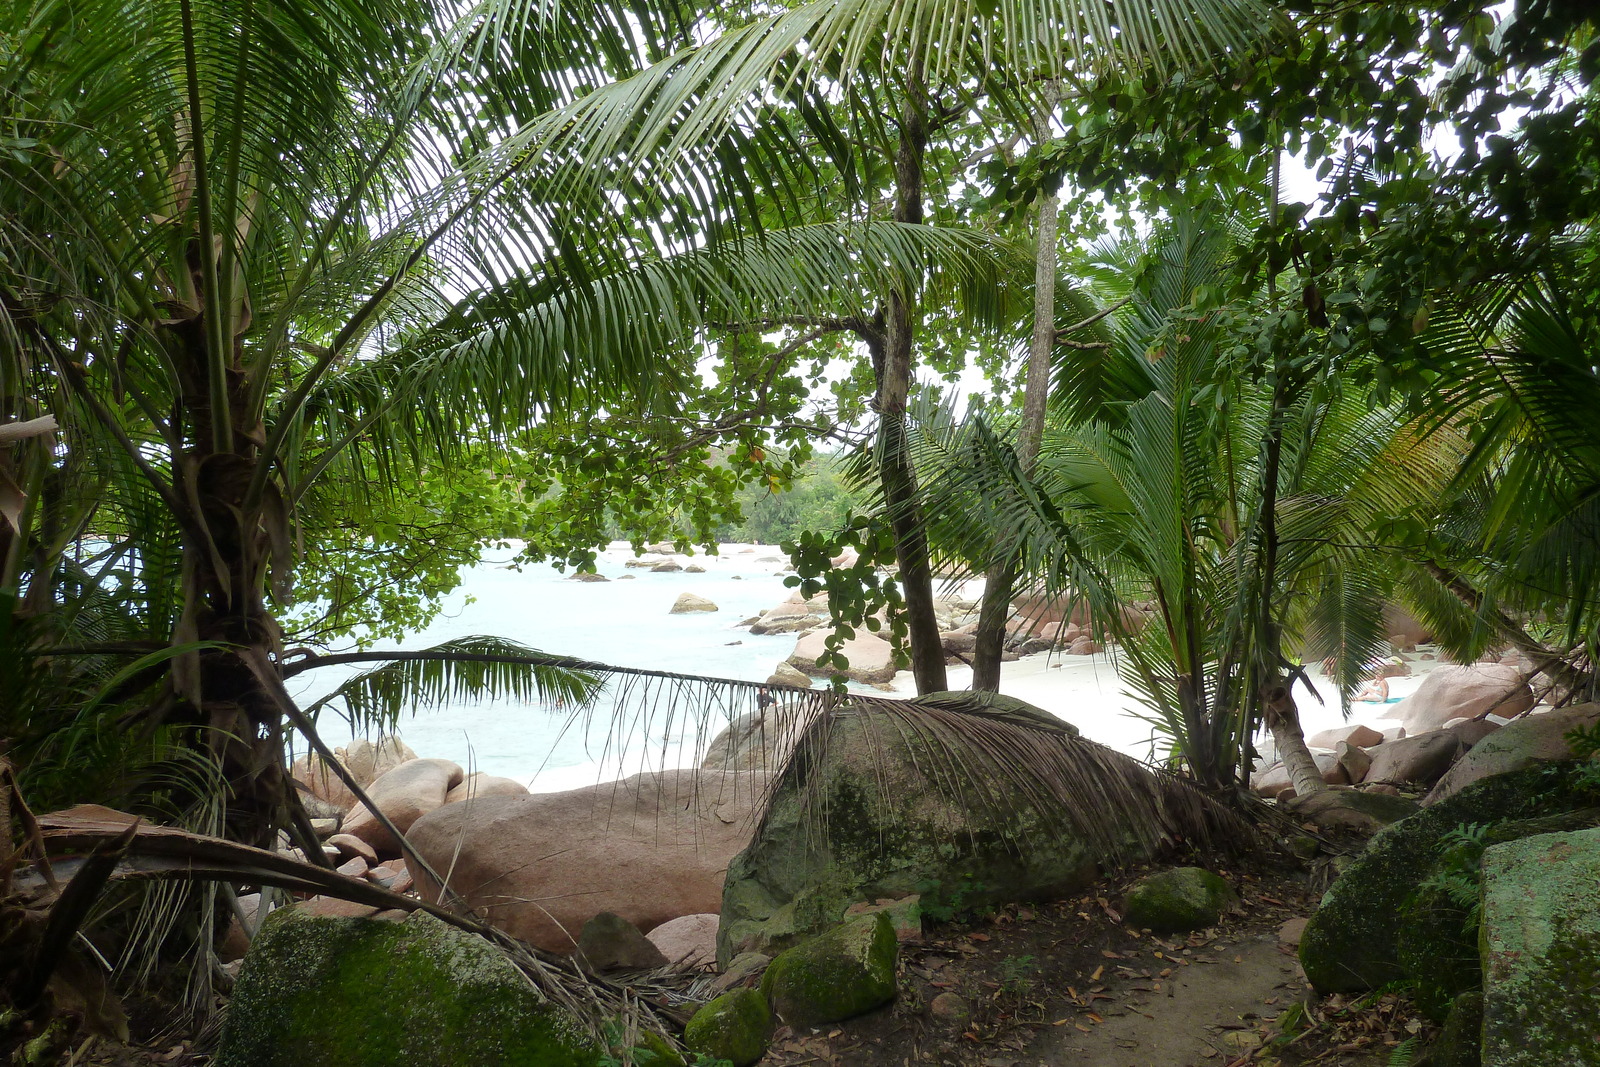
column 1069, row 983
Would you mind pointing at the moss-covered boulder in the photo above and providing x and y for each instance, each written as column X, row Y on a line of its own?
column 1175, row 901
column 1460, row 1042
column 965, row 798
column 1437, row 943
column 1351, row 941
column 326, row 992
column 837, row 975
column 736, row 1027
column 1541, row 951
column 1437, row 948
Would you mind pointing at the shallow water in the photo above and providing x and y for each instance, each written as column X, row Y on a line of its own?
column 623, row 622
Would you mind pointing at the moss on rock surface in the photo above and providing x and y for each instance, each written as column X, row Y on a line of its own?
column 1176, row 901
column 882, row 803
column 1351, row 941
column 1459, row 1044
column 735, row 1026
column 328, row 992
column 1437, row 948
column 836, row 975
column 1541, row 951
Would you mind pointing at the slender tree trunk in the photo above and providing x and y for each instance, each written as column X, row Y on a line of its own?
column 1282, row 717
column 898, row 476
column 1001, row 578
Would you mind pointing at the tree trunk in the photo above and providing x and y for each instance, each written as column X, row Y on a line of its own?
column 1001, row 578
column 898, row 476
column 227, row 550
column 1282, row 717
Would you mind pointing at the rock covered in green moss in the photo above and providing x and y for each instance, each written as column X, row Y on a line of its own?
column 328, row 992
column 837, row 975
column 878, row 803
column 735, row 1026
column 1541, row 951
column 1459, row 1044
column 1175, row 901
column 1437, row 948
column 1351, row 940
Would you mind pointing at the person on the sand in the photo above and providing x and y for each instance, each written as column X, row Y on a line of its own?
column 1375, row 692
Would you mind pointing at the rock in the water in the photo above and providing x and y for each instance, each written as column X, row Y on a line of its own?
column 694, row 568
column 321, row 992
column 689, row 604
column 666, row 566
column 587, row 576
column 1453, row 692
column 650, row 848
column 837, row 975
column 785, row 624
column 865, row 812
column 1535, row 739
column 478, row 785
column 608, row 942
column 688, row 942
column 1351, row 942
column 871, row 657
column 1416, row 761
column 1541, row 951
column 788, row 675
column 1177, row 901
column 735, row 1026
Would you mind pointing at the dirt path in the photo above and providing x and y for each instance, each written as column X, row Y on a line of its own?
column 1068, row 984
column 1204, row 1013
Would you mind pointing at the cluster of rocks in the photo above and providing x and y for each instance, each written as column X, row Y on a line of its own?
column 871, row 656
column 1487, row 904
column 1438, row 738
column 404, row 788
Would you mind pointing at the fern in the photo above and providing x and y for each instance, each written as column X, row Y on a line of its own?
column 1403, row 1053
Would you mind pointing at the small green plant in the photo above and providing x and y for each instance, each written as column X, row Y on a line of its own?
column 1016, row 974
column 1584, row 741
column 654, row 1052
column 943, row 907
column 1403, row 1053
column 1457, row 872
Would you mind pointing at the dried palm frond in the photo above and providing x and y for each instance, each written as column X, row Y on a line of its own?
column 987, row 753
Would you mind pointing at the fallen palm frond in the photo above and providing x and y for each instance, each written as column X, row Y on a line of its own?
column 988, row 753
column 90, row 846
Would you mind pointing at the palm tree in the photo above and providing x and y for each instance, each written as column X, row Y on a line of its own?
column 251, row 248
column 1152, row 487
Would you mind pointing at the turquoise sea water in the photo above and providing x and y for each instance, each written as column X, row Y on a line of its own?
column 623, row 622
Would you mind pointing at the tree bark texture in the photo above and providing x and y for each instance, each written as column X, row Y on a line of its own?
column 1001, row 579
column 898, row 476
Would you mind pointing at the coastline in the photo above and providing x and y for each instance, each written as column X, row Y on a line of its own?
column 626, row 621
